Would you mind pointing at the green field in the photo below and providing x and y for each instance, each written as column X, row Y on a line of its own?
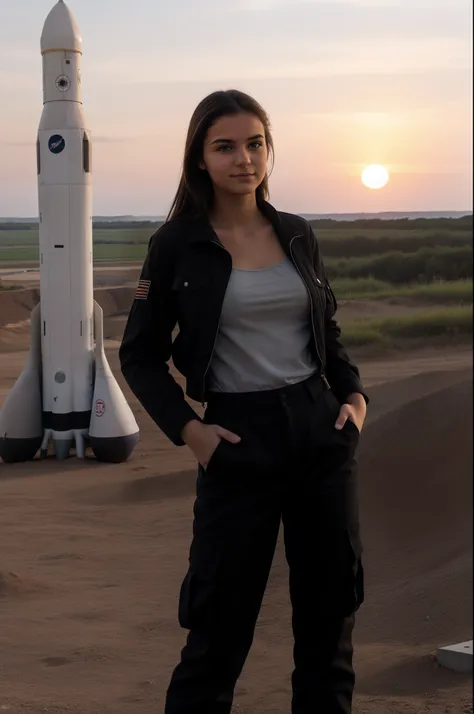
column 18, row 238
column 398, row 251
column 334, row 242
column 384, row 254
column 337, row 238
column 422, row 262
column 424, row 266
column 456, row 291
column 111, row 251
column 450, row 322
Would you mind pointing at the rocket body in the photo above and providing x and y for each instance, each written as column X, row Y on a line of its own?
column 65, row 235
column 71, row 353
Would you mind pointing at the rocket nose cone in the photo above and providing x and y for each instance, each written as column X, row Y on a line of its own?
column 60, row 30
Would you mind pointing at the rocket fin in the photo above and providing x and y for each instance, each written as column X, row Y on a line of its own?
column 21, row 427
column 113, row 431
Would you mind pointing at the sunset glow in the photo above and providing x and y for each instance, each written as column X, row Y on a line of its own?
column 346, row 83
column 375, row 176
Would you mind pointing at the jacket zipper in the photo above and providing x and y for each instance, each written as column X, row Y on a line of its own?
column 203, row 385
column 323, row 376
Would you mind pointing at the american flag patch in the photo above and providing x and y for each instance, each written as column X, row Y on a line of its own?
column 143, row 288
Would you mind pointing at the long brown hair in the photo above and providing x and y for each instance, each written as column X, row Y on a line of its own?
column 195, row 191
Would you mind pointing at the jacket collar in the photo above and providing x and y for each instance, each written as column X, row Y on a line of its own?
column 201, row 230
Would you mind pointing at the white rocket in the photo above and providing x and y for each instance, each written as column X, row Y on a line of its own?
column 67, row 391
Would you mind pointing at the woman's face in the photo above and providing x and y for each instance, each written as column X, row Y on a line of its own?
column 235, row 153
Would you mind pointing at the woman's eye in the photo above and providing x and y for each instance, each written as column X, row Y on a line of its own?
column 252, row 145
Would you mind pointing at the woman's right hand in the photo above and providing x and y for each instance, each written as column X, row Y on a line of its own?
column 203, row 439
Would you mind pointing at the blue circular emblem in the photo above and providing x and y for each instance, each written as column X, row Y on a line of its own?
column 56, row 143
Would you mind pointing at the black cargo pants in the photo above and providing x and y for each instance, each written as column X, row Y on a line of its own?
column 291, row 465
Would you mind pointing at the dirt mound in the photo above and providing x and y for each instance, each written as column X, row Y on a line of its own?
column 115, row 301
column 16, row 305
column 13, row 586
column 387, row 396
column 416, row 514
column 417, row 471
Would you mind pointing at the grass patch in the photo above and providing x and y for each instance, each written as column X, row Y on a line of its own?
column 116, row 251
column 103, row 251
column 121, row 236
column 352, row 244
column 19, row 253
column 424, row 266
column 453, row 291
column 17, row 238
column 352, row 288
column 337, row 239
column 451, row 322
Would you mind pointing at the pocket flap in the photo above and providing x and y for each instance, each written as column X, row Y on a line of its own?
column 189, row 282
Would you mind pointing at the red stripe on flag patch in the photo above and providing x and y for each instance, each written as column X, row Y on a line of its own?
column 143, row 288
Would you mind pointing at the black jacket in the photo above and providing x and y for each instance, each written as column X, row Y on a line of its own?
column 183, row 282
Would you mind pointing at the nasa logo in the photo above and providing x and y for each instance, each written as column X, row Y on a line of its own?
column 99, row 408
column 56, row 143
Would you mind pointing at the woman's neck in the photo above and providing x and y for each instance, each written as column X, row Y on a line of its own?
column 231, row 212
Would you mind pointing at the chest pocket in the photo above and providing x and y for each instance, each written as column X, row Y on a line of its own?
column 192, row 295
column 189, row 282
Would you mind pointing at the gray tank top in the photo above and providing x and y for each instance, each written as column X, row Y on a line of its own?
column 264, row 333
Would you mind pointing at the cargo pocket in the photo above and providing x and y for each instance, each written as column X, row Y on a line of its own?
column 340, row 574
column 197, row 600
column 198, row 607
column 354, row 593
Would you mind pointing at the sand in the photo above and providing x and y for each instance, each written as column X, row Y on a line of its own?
column 93, row 556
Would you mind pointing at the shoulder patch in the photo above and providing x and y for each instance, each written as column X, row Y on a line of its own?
column 143, row 288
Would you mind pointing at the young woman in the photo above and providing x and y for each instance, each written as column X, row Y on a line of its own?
column 259, row 345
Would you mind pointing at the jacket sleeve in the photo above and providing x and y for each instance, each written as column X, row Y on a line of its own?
column 147, row 341
column 342, row 373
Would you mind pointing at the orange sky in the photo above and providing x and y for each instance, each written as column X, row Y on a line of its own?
column 346, row 83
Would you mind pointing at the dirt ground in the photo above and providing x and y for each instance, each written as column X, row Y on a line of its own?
column 93, row 556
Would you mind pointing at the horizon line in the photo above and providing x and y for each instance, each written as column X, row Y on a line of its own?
column 148, row 216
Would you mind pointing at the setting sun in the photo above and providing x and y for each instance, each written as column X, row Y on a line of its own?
column 374, row 176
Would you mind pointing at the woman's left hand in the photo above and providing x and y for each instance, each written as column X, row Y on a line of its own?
column 354, row 409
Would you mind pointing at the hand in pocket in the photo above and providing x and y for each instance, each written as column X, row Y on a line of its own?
column 203, row 439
